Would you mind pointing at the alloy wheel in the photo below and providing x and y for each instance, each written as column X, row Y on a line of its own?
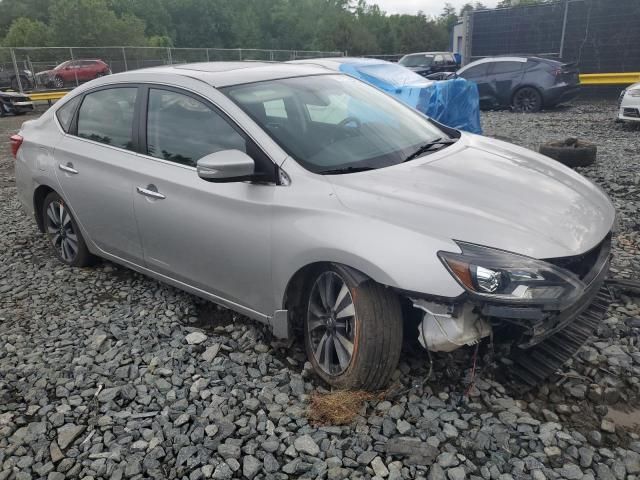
column 331, row 323
column 61, row 231
column 58, row 82
column 527, row 100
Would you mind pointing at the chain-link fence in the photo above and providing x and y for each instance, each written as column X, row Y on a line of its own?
column 39, row 68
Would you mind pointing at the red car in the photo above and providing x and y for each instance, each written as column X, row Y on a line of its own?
column 72, row 72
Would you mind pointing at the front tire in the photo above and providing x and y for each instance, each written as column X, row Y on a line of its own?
column 58, row 82
column 353, row 332
column 63, row 232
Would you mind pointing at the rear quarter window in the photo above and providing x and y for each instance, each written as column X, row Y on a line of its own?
column 66, row 112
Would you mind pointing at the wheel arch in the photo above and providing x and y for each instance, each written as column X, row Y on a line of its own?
column 39, row 195
column 298, row 284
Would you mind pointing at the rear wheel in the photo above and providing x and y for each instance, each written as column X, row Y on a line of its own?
column 63, row 232
column 353, row 332
column 527, row 100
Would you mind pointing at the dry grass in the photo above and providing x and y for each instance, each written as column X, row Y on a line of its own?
column 339, row 408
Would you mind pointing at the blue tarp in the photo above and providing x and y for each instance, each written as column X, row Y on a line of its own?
column 454, row 103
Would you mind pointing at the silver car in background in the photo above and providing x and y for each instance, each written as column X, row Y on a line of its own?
column 312, row 202
column 629, row 104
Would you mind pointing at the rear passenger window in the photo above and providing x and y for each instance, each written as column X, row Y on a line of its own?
column 182, row 129
column 106, row 116
column 66, row 112
column 506, row 67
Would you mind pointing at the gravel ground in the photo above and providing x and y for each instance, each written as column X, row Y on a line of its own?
column 107, row 374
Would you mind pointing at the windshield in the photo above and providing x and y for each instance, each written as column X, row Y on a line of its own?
column 62, row 65
column 416, row 61
column 335, row 122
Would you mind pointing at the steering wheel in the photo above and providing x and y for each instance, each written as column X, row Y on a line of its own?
column 349, row 120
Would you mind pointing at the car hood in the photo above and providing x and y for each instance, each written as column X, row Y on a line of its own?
column 489, row 193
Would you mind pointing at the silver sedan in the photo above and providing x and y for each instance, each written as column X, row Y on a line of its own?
column 315, row 203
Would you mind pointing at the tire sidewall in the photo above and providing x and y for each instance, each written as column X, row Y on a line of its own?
column 345, row 379
column 378, row 332
column 571, row 157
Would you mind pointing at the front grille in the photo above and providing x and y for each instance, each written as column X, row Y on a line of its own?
column 631, row 112
column 583, row 265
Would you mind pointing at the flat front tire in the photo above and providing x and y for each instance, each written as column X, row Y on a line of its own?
column 63, row 232
column 353, row 332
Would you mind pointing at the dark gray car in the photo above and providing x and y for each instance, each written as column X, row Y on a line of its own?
column 526, row 84
column 9, row 79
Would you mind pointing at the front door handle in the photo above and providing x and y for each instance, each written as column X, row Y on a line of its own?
column 68, row 168
column 150, row 191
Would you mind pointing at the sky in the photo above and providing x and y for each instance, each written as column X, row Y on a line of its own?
column 429, row 7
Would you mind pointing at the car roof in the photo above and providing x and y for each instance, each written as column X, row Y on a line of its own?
column 429, row 53
column 222, row 74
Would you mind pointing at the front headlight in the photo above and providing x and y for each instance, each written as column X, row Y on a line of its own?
column 634, row 92
column 508, row 277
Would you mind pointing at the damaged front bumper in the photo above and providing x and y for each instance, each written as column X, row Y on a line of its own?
column 446, row 326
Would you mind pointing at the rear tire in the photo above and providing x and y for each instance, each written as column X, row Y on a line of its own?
column 527, row 100
column 63, row 232
column 353, row 332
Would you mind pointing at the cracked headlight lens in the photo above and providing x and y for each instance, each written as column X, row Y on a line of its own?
column 509, row 277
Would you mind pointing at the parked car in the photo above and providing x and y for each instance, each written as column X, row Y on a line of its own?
column 309, row 200
column 525, row 84
column 9, row 79
column 72, row 72
column 427, row 63
column 15, row 103
column 629, row 104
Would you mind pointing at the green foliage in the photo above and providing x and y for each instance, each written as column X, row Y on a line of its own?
column 344, row 25
column 93, row 23
column 25, row 32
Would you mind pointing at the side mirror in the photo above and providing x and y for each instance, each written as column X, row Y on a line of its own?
column 226, row 166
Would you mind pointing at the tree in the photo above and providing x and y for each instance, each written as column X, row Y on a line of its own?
column 25, row 32
column 357, row 26
column 92, row 23
column 11, row 10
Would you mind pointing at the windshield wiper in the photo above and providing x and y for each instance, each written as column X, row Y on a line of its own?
column 428, row 146
column 338, row 171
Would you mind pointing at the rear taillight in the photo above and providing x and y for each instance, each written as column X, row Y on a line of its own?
column 557, row 72
column 16, row 141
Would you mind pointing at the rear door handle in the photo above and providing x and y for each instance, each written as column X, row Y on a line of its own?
column 151, row 191
column 68, row 168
